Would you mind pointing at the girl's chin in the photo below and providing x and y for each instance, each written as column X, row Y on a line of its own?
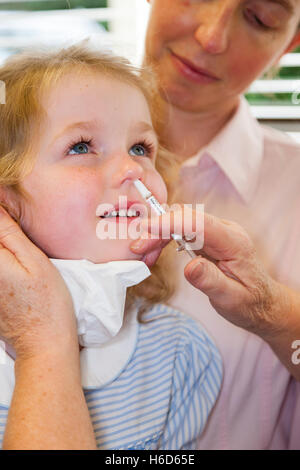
column 117, row 257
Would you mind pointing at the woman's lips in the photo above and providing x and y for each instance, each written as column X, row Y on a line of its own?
column 191, row 71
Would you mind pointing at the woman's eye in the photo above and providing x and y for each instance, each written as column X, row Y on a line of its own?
column 256, row 21
column 138, row 150
column 79, row 148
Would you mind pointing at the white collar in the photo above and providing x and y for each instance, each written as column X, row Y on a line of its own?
column 238, row 150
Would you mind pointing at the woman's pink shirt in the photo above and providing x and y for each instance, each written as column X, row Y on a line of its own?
column 249, row 174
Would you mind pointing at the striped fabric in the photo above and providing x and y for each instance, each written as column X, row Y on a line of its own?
column 162, row 398
column 3, row 417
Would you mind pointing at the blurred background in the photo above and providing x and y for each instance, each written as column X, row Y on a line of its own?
column 120, row 25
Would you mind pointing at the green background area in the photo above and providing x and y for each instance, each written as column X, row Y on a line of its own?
column 53, row 5
column 290, row 73
column 56, row 5
column 283, row 73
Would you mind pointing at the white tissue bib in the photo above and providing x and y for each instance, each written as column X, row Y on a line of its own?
column 98, row 292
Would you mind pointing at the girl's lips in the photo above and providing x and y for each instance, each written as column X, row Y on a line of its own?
column 192, row 72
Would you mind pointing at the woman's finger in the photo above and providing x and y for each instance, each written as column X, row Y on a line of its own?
column 224, row 239
column 183, row 222
column 145, row 245
column 151, row 257
column 15, row 241
column 218, row 239
column 207, row 277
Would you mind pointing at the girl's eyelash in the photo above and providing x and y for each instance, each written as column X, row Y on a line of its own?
column 81, row 140
column 149, row 146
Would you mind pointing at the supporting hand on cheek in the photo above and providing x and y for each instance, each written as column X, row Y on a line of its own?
column 37, row 319
column 36, row 312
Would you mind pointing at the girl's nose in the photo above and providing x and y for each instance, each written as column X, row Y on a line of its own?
column 126, row 170
column 214, row 29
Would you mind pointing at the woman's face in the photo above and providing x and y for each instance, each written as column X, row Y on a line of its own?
column 98, row 138
column 207, row 52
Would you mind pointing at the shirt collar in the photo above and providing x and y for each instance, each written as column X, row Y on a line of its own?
column 238, row 150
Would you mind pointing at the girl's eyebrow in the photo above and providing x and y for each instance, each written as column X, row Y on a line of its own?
column 83, row 125
column 143, row 126
column 87, row 125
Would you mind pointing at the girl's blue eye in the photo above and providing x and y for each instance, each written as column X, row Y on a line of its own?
column 80, row 147
column 138, row 150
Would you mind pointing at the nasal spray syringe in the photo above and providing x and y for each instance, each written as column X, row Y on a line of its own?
column 159, row 210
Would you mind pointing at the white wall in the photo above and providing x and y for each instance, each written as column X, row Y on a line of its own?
column 130, row 27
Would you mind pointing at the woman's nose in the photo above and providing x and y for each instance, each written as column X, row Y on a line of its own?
column 213, row 32
column 126, row 170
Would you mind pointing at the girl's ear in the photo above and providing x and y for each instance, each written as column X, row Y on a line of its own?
column 295, row 42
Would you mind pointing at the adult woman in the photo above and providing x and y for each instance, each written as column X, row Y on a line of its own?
column 196, row 50
column 205, row 55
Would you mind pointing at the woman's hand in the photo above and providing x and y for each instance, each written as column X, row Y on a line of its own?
column 36, row 310
column 227, row 269
column 48, row 408
column 229, row 272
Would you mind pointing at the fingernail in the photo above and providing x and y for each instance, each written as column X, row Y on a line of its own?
column 196, row 271
column 137, row 245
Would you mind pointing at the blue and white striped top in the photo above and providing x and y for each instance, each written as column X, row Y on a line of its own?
column 163, row 396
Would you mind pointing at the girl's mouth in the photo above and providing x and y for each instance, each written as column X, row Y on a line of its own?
column 124, row 212
column 121, row 215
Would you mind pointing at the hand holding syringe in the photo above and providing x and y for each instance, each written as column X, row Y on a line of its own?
column 159, row 210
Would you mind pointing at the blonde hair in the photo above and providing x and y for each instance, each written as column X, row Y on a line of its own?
column 33, row 72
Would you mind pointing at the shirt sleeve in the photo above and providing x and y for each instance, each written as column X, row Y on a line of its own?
column 3, row 419
column 196, row 384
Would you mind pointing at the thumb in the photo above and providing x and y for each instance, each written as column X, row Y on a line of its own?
column 207, row 277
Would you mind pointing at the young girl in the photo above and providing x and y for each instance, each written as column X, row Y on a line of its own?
column 76, row 131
